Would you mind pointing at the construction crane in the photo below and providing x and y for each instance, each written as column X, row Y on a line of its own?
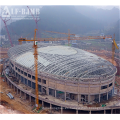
column 79, row 38
column 65, row 34
column 35, row 19
column 5, row 21
column 36, row 65
column 65, row 38
column 114, row 45
column 51, row 39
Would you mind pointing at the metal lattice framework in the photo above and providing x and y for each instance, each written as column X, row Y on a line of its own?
column 80, row 66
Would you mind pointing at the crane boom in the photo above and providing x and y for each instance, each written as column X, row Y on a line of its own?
column 60, row 32
column 65, row 38
column 65, row 34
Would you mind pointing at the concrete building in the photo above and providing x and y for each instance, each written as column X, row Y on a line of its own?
column 67, row 76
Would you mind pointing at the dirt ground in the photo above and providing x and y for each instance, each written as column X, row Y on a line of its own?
column 104, row 55
column 15, row 105
column 117, row 79
column 3, row 52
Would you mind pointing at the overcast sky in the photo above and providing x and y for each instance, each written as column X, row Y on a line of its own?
column 107, row 6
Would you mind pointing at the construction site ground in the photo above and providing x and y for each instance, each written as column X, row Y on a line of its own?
column 16, row 105
column 3, row 53
column 104, row 55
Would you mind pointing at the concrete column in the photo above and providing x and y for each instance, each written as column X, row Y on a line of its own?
column 17, row 91
column 111, row 111
column 90, row 112
column 25, row 96
column 29, row 98
column 88, row 98
column 47, row 91
column 41, row 88
column 107, row 95
column 78, row 98
column 20, row 93
column 7, row 82
column 11, row 85
column 55, row 93
column 50, row 108
column 14, row 88
column 61, row 110
column 76, row 111
column 19, row 81
column 65, row 96
column 27, row 81
column 104, row 112
column 31, row 84
column 42, row 103
column 99, row 97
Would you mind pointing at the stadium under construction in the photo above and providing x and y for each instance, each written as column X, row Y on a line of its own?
column 67, row 77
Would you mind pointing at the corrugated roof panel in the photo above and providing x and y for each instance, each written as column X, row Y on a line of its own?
column 60, row 50
column 27, row 59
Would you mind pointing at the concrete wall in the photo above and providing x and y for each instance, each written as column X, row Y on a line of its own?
column 87, row 88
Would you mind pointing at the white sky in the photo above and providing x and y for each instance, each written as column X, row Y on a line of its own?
column 60, row 2
column 101, row 3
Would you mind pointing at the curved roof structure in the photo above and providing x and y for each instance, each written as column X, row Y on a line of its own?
column 62, row 61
